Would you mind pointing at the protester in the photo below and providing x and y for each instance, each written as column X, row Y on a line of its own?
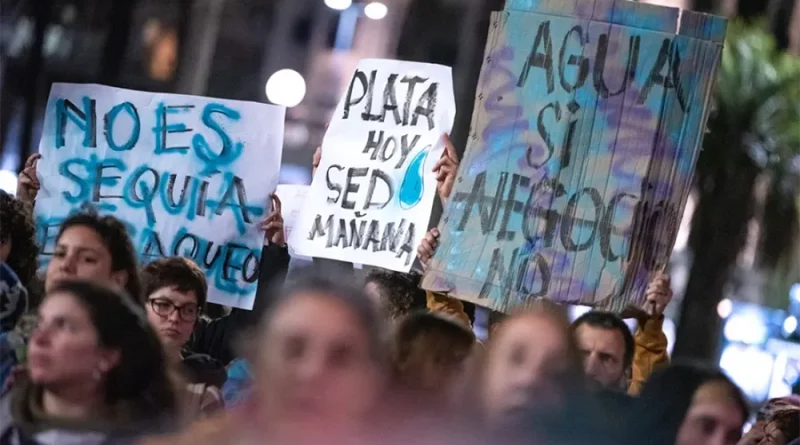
column 532, row 365
column 18, row 247
column 689, row 405
column 217, row 338
column 96, row 372
column 777, row 423
column 95, row 248
column 14, row 303
column 430, row 360
column 319, row 363
column 607, row 347
column 396, row 293
column 176, row 288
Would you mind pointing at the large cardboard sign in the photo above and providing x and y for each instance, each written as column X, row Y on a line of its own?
column 587, row 124
column 371, row 198
column 190, row 176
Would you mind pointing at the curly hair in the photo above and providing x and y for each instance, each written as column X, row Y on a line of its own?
column 400, row 291
column 115, row 236
column 16, row 225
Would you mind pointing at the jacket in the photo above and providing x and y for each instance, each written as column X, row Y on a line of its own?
column 217, row 338
column 650, row 353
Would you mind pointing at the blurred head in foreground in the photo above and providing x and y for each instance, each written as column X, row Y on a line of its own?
column 531, row 365
column 319, row 366
column 690, row 405
column 96, row 342
column 431, row 356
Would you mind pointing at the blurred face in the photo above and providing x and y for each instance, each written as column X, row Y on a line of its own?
column 172, row 313
column 81, row 253
column 316, row 371
column 714, row 418
column 64, row 350
column 603, row 352
column 525, row 366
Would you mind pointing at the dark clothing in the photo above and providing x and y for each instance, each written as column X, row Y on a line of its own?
column 24, row 422
column 217, row 338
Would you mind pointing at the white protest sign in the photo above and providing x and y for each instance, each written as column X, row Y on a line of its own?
column 371, row 197
column 292, row 197
column 190, row 176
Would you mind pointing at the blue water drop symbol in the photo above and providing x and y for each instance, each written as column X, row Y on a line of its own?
column 413, row 186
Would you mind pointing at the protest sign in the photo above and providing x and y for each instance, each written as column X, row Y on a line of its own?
column 586, row 129
column 190, row 176
column 292, row 197
column 371, row 197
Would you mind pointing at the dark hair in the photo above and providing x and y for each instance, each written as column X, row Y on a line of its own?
column 140, row 384
column 611, row 322
column 16, row 225
column 423, row 338
column 310, row 281
column 400, row 291
column 666, row 397
column 115, row 237
column 176, row 271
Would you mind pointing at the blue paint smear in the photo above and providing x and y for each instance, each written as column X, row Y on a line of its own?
column 413, row 186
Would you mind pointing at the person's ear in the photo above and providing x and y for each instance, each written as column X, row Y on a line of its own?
column 120, row 278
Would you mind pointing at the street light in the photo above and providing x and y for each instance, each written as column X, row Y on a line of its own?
column 376, row 10
column 340, row 5
column 286, row 87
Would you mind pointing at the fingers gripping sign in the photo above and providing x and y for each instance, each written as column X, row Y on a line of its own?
column 446, row 169
column 272, row 225
column 28, row 181
column 427, row 247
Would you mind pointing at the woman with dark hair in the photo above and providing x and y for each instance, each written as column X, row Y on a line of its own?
column 17, row 239
column 689, row 405
column 96, row 372
column 319, row 361
column 95, row 248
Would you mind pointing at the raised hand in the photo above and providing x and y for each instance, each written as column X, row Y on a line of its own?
column 272, row 225
column 446, row 168
column 315, row 161
column 27, row 181
column 658, row 294
column 428, row 247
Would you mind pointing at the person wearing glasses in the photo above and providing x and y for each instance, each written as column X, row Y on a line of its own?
column 175, row 290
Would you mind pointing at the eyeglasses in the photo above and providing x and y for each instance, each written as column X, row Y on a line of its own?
column 165, row 308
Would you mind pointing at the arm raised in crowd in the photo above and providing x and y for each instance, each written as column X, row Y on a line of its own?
column 27, row 181
column 650, row 351
column 217, row 338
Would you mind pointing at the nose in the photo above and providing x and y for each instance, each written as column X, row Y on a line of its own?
column 41, row 335
column 591, row 365
column 308, row 369
column 68, row 264
column 175, row 316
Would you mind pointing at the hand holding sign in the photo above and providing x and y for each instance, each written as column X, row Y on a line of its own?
column 659, row 294
column 374, row 176
column 27, row 182
column 272, row 225
column 446, row 169
column 428, row 247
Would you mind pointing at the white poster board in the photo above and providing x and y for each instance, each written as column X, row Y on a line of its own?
column 190, row 176
column 371, row 197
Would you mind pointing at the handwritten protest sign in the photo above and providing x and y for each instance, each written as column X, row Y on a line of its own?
column 292, row 197
column 587, row 124
column 371, row 198
column 190, row 176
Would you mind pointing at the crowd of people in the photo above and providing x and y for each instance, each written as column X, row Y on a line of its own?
column 98, row 349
